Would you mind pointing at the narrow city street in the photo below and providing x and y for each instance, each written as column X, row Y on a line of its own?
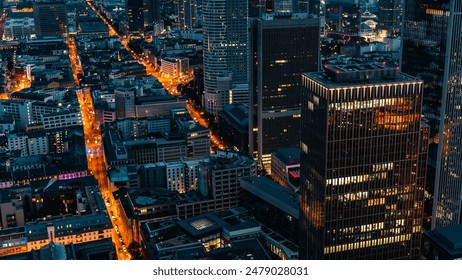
column 95, row 153
column 75, row 60
column 97, row 166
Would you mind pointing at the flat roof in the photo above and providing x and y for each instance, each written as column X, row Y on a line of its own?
column 447, row 239
column 288, row 156
column 323, row 79
column 272, row 192
column 202, row 224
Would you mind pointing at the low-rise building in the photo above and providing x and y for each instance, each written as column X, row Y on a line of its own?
column 285, row 167
column 272, row 205
column 174, row 66
column 83, row 219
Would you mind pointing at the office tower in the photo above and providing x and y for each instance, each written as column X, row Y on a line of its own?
column 186, row 11
column 390, row 17
column 431, row 50
column 283, row 6
column 301, row 5
column 314, row 7
column 151, row 11
column 423, row 55
column 256, row 8
column 282, row 49
column 226, row 48
column 363, row 160
column 342, row 16
column 448, row 184
column 50, row 19
column 135, row 16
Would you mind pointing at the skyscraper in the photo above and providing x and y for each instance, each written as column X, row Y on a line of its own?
column 390, row 17
column 186, row 11
column 432, row 50
column 135, row 16
column 342, row 16
column 282, row 49
column 447, row 205
column 50, row 18
column 363, row 163
column 226, row 49
column 151, row 11
column 314, row 7
column 424, row 47
column 283, row 6
column 256, row 8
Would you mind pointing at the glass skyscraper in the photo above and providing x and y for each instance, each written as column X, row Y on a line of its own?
column 186, row 11
column 363, row 163
column 432, row 50
column 282, row 49
column 448, row 184
column 390, row 16
column 135, row 16
column 424, row 48
column 226, row 50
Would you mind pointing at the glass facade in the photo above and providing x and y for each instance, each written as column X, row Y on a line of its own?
column 363, row 165
column 342, row 17
column 186, row 11
column 50, row 19
column 226, row 47
column 448, row 184
column 135, row 16
column 276, row 77
column 424, row 48
column 390, row 16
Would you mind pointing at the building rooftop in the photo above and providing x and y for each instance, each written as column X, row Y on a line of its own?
column 359, row 72
column 447, row 239
column 238, row 112
column 157, row 99
column 246, row 249
column 151, row 197
column 201, row 225
column 275, row 194
column 288, row 156
column 228, row 158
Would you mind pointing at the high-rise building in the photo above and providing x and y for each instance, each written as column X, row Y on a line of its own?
column 431, row 50
column 447, row 205
column 186, row 10
column 314, row 7
column 301, row 6
column 283, row 47
column 363, row 163
column 50, row 18
column 283, row 6
column 135, row 16
column 256, row 8
column 226, row 49
column 424, row 48
column 423, row 54
column 151, row 11
column 342, row 16
column 390, row 17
